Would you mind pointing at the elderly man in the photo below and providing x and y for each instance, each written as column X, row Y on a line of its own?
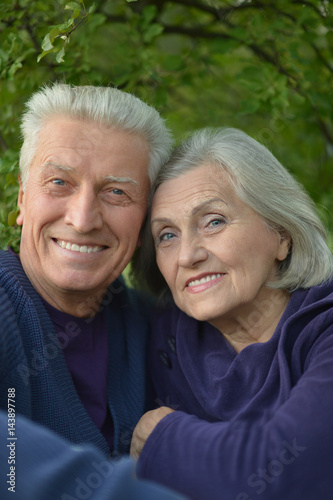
column 76, row 356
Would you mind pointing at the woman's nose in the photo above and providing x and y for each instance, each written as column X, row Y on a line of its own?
column 192, row 251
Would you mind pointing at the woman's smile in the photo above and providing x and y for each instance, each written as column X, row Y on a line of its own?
column 201, row 283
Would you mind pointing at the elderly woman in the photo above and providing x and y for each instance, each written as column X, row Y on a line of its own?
column 242, row 360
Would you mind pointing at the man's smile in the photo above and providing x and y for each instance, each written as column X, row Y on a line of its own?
column 74, row 247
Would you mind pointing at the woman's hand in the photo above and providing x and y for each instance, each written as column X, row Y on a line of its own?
column 145, row 427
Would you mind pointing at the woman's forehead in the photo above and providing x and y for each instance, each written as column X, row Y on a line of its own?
column 195, row 187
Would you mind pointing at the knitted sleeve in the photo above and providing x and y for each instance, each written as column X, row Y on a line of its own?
column 45, row 466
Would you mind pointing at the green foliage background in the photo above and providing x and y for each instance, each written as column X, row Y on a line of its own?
column 265, row 67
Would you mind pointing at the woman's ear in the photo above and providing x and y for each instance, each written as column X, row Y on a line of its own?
column 284, row 246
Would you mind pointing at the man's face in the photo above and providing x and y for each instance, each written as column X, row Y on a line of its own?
column 82, row 209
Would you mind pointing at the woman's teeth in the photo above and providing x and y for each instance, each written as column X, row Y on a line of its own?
column 204, row 280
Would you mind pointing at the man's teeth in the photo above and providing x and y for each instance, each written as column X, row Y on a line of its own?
column 204, row 280
column 76, row 248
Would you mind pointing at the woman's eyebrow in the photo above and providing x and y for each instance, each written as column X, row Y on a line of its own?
column 195, row 210
column 165, row 220
column 206, row 203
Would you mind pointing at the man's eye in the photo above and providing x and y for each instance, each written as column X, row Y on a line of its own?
column 119, row 192
column 58, row 182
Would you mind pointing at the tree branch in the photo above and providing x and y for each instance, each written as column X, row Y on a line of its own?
column 258, row 51
column 323, row 127
column 322, row 58
column 27, row 26
column 3, row 143
column 309, row 4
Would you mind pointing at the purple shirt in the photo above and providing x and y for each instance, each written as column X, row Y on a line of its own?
column 85, row 346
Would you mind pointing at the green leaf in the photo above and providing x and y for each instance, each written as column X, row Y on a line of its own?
column 60, row 55
column 249, row 106
column 252, row 73
column 152, row 32
column 161, row 97
column 173, row 63
column 320, row 101
column 47, row 44
column 7, row 165
column 12, row 38
column 92, row 8
column 42, row 54
column 64, row 26
column 12, row 216
column 149, row 14
column 14, row 67
column 73, row 6
column 53, row 33
column 221, row 46
column 11, row 180
column 95, row 21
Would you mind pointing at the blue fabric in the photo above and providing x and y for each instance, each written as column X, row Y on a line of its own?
column 44, row 466
column 254, row 424
column 32, row 361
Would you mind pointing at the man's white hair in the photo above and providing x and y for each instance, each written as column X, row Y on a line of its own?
column 103, row 105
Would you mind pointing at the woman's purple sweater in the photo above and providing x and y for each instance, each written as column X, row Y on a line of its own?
column 251, row 425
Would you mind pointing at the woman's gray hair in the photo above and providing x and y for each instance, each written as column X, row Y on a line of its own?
column 104, row 105
column 267, row 187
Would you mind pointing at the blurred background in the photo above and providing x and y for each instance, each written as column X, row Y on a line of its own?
column 265, row 67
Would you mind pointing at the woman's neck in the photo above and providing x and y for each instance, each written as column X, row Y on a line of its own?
column 256, row 323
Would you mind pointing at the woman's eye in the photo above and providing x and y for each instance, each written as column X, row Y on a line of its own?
column 165, row 237
column 216, row 222
column 118, row 192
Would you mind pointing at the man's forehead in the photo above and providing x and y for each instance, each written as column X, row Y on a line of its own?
column 88, row 131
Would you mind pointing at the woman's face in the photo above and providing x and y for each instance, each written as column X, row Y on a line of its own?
column 214, row 251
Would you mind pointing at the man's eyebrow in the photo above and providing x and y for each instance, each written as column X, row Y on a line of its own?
column 108, row 178
column 113, row 178
column 57, row 166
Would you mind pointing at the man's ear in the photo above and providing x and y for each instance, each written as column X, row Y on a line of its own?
column 20, row 203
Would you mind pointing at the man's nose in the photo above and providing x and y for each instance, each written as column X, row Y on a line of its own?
column 84, row 211
column 192, row 251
